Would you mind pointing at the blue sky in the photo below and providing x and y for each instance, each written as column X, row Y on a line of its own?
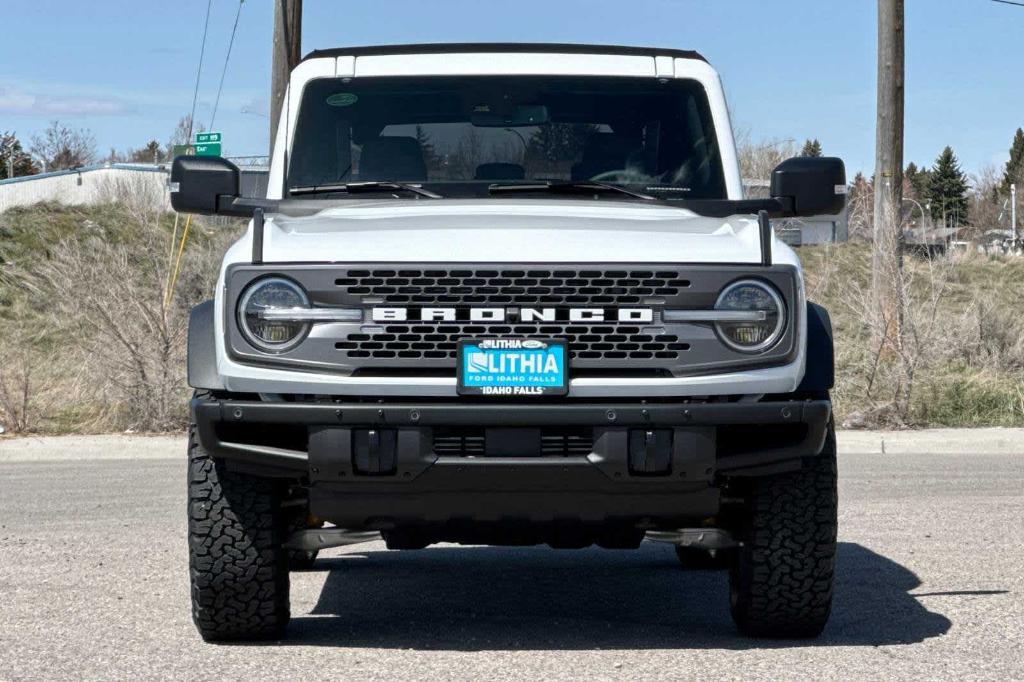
column 125, row 69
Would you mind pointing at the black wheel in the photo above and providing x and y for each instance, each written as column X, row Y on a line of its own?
column 300, row 559
column 237, row 567
column 781, row 581
column 693, row 559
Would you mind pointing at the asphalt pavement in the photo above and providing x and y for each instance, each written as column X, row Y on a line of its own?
column 93, row 583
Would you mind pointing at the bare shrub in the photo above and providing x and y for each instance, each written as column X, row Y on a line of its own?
column 142, row 194
column 108, row 306
column 861, row 202
column 953, row 356
column 17, row 391
column 30, row 378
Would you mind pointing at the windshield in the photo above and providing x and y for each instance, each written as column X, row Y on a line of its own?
column 459, row 136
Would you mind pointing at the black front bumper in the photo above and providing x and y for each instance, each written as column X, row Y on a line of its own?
column 317, row 442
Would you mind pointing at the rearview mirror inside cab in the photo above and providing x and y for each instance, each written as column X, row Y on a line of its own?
column 810, row 186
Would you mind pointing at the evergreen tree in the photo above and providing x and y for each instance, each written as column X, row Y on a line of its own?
column 811, row 148
column 13, row 157
column 947, row 190
column 1014, row 172
column 918, row 179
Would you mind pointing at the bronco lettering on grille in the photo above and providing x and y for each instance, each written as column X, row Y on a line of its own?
column 579, row 315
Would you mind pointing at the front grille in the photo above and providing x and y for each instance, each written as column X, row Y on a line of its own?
column 554, row 442
column 521, row 287
column 586, row 342
column 594, row 342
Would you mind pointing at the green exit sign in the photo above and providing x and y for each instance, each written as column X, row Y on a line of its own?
column 208, row 138
column 212, row 149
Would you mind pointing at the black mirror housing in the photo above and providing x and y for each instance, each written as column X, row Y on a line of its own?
column 207, row 185
column 810, row 186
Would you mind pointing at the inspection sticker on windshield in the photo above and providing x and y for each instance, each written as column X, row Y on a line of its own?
column 513, row 367
column 342, row 99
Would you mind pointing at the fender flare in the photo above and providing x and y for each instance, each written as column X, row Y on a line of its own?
column 820, row 372
column 202, row 349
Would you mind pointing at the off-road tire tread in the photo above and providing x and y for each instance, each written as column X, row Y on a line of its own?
column 782, row 579
column 237, row 568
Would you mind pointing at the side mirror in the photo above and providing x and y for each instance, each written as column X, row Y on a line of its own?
column 810, row 186
column 207, row 185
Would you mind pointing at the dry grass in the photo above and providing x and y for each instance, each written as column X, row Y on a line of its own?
column 964, row 328
column 88, row 343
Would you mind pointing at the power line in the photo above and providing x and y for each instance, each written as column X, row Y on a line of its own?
column 199, row 71
column 224, row 72
column 1010, row 2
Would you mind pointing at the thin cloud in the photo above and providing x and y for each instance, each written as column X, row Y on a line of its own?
column 17, row 102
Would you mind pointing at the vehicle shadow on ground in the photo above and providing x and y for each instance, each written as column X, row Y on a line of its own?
column 481, row 598
column 478, row 598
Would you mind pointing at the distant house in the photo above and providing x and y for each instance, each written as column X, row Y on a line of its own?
column 929, row 240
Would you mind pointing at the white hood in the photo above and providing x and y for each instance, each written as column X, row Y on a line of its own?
column 519, row 230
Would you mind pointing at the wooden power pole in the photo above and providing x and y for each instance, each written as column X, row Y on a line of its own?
column 287, row 53
column 887, row 260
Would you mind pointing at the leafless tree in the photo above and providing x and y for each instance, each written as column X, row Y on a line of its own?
column 987, row 210
column 184, row 131
column 62, row 147
column 758, row 159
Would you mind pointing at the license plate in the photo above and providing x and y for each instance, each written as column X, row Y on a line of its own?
column 513, row 367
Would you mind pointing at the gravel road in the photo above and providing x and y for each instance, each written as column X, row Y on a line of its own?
column 93, row 583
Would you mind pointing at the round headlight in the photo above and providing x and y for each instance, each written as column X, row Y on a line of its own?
column 763, row 327
column 272, row 293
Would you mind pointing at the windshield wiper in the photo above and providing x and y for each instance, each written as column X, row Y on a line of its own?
column 578, row 187
column 372, row 186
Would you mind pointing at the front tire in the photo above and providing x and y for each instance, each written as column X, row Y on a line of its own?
column 237, row 566
column 782, row 577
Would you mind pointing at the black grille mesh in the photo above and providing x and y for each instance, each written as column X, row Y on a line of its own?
column 506, row 286
column 555, row 442
column 586, row 342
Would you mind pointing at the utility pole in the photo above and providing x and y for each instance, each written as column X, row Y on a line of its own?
column 287, row 53
column 887, row 258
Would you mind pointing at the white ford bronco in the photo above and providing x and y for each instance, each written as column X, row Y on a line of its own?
column 510, row 295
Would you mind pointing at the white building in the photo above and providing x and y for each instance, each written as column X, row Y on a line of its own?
column 108, row 182
column 93, row 184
